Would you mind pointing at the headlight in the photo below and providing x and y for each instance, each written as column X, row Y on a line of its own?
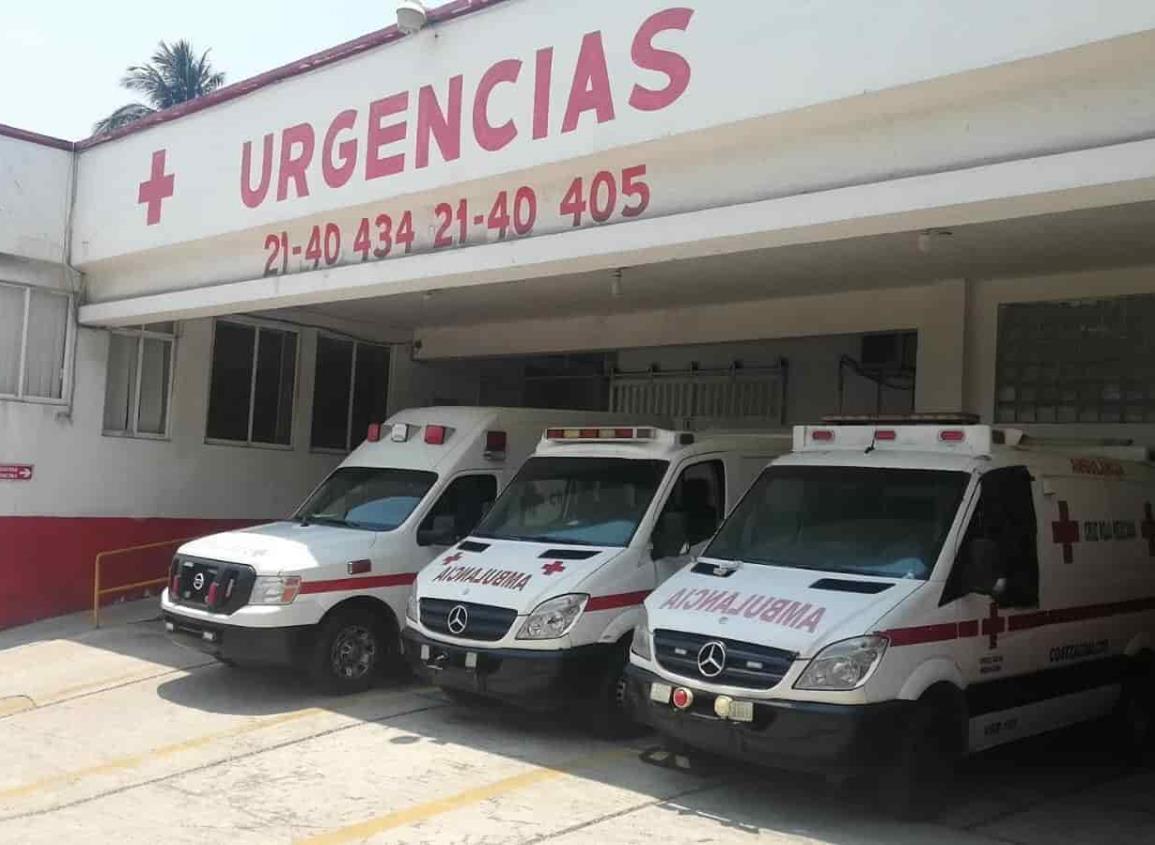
column 640, row 645
column 553, row 618
column 844, row 665
column 275, row 589
column 411, row 612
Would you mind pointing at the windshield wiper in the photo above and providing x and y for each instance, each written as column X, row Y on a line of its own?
column 326, row 520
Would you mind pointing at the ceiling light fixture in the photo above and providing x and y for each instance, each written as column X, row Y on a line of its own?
column 927, row 238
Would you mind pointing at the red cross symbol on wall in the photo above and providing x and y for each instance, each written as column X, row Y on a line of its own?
column 453, row 558
column 158, row 187
column 1148, row 527
column 551, row 568
column 994, row 625
column 1066, row 531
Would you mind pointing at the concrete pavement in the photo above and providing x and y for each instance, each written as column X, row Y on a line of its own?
column 118, row 735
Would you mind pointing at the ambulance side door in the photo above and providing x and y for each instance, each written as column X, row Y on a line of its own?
column 693, row 510
column 995, row 656
column 455, row 512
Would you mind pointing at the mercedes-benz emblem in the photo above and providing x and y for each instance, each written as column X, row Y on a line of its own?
column 458, row 619
column 712, row 659
column 198, row 580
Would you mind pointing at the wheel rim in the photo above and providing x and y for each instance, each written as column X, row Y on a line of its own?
column 618, row 694
column 354, row 653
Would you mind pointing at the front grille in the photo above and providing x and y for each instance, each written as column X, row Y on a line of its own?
column 483, row 621
column 195, row 577
column 746, row 665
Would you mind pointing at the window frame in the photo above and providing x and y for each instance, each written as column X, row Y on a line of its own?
column 357, row 344
column 718, row 469
column 423, row 514
column 140, row 333
column 257, row 326
column 66, row 358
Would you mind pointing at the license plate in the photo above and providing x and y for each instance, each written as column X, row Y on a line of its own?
column 742, row 711
column 661, row 692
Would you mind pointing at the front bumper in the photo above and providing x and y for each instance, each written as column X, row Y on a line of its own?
column 799, row 735
column 250, row 646
column 529, row 678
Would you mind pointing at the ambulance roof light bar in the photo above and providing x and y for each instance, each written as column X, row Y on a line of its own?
column 902, row 419
column 612, row 433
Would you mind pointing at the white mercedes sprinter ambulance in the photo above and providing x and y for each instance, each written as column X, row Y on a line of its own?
column 538, row 605
column 325, row 591
column 891, row 596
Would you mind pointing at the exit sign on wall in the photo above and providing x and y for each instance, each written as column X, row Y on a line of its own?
column 15, row 472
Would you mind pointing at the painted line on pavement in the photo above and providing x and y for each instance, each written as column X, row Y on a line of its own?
column 12, row 704
column 97, row 687
column 440, row 806
column 236, row 758
column 131, row 761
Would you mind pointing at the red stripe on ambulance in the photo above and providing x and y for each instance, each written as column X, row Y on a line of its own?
column 617, row 600
column 368, row 583
column 971, row 628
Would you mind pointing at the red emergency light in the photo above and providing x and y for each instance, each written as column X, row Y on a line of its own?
column 495, row 443
column 374, row 433
column 211, row 597
column 682, row 698
column 822, row 435
column 885, row 434
column 599, row 434
column 436, row 435
column 952, row 435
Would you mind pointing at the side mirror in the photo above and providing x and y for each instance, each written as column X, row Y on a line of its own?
column 441, row 532
column 981, row 567
column 670, row 534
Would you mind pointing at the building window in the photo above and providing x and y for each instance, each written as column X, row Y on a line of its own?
column 136, row 395
column 251, row 387
column 350, row 390
column 1083, row 361
column 35, row 331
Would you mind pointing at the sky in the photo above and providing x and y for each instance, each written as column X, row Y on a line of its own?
column 61, row 60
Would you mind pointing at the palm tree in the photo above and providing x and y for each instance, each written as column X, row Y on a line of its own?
column 173, row 75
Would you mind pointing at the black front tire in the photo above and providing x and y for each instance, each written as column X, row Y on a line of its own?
column 923, row 769
column 613, row 716
column 350, row 651
column 1135, row 714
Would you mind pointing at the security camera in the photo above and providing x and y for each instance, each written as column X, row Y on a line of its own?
column 411, row 16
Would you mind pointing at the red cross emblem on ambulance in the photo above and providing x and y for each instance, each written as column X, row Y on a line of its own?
column 453, row 558
column 1148, row 528
column 1066, row 532
column 551, row 568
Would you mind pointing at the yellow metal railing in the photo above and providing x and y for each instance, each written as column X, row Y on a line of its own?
column 98, row 593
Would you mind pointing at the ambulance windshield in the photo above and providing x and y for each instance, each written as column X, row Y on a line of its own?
column 368, row 498
column 584, row 501
column 860, row 520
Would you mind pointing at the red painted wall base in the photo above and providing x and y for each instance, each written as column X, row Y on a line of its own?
column 46, row 563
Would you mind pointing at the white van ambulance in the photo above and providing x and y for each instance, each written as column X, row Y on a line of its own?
column 538, row 605
column 896, row 595
column 325, row 591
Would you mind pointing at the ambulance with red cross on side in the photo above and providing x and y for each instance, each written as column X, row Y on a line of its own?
column 325, row 590
column 537, row 606
column 895, row 594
